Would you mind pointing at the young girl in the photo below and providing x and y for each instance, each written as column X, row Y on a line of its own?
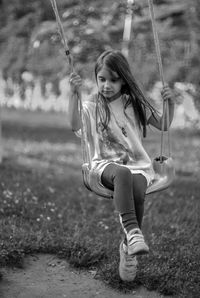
column 117, row 116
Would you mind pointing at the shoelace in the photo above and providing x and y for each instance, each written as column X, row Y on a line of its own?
column 135, row 238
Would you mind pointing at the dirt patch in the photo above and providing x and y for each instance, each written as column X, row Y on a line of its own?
column 45, row 276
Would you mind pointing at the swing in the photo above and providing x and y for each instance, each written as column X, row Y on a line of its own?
column 163, row 166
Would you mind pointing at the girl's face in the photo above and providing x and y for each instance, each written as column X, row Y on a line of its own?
column 109, row 83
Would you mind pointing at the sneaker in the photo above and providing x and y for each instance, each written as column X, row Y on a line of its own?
column 127, row 265
column 136, row 244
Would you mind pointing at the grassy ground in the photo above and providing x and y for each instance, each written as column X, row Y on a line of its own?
column 44, row 207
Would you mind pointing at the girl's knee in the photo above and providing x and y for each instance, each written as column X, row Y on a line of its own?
column 123, row 173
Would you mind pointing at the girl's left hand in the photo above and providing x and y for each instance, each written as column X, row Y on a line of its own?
column 167, row 94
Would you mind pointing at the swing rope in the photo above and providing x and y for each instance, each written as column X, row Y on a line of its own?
column 62, row 35
column 85, row 152
column 160, row 67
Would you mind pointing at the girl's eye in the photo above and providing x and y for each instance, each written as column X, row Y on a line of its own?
column 101, row 79
column 114, row 80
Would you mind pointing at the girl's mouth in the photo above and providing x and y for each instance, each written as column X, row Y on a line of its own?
column 107, row 92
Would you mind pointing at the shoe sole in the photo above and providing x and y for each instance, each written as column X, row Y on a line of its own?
column 138, row 251
column 121, row 274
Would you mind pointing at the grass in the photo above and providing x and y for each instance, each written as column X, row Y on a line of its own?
column 44, row 208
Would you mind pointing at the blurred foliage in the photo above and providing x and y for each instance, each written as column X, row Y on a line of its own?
column 29, row 40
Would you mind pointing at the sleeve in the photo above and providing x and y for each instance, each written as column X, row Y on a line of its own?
column 148, row 113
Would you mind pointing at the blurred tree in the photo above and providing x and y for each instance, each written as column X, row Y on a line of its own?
column 29, row 41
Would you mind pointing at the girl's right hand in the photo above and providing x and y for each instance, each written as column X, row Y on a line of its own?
column 75, row 82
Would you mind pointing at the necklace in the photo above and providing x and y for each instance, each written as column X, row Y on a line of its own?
column 121, row 126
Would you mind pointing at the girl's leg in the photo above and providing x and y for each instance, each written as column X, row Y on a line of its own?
column 139, row 183
column 120, row 180
column 129, row 193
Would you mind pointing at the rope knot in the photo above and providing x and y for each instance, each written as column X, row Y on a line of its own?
column 67, row 52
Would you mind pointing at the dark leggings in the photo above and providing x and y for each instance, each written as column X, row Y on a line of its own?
column 129, row 190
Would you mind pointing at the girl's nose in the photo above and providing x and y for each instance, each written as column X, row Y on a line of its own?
column 106, row 85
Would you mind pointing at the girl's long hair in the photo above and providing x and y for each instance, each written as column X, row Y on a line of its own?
column 116, row 62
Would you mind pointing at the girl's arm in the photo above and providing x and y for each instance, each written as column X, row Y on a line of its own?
column 73, row 107
column 156, row 120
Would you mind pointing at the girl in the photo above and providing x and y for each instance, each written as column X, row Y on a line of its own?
column 117, row 115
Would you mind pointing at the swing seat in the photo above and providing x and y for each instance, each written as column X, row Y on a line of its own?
column 91, row 183
column 164, row 175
